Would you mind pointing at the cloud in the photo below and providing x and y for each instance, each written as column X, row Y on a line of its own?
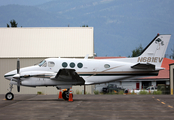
column 95, row 3
column 104, row 1
column 110, row 21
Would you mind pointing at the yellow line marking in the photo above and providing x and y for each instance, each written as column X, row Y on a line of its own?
column 170, row 106
column 163, row 103
column 4, row 99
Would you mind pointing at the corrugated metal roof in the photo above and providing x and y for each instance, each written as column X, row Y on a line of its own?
column 46, row 42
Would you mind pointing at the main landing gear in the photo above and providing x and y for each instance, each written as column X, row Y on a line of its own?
column 65, row 94
column 9, row 95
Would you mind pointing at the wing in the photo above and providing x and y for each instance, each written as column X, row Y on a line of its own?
column 144, row 66
column 68, row 75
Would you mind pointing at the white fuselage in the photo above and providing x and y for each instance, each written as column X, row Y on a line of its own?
column 91, row 70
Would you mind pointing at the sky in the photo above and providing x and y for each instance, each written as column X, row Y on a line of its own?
column 119, row 25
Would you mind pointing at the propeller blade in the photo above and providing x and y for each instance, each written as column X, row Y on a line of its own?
column 18, row 66
column 18, row 85
column 18, row 73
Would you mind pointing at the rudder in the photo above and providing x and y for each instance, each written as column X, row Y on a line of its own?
column 155, row 51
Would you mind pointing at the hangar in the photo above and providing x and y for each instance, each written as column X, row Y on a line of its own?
column 32, row 45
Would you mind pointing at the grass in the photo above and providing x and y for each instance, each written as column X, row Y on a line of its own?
column 39, row 93
column 158, row 92
column 78, row 92
column 143, row 92
column 96, row 92
column 121, row 92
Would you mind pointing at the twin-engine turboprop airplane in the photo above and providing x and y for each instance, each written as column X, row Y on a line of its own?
column 63, row 72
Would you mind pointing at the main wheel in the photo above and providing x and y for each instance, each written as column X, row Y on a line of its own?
column 65, row 95
column 9, row 96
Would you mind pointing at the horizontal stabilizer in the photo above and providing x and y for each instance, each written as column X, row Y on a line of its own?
column 144, row 66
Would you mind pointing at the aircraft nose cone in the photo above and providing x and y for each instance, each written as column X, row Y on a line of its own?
column 9, row 75
column 6, row 76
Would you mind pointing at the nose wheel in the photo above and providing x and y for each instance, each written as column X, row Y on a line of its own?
column 9, row 96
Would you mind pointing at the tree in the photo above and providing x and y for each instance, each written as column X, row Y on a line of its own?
column 137, row 51
column 13, row 23
column 84, row 26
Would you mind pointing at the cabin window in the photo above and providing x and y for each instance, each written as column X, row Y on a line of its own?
column 43, row 63
column 107, row 66
column 79, row 65
column 72, row 65
column 64, row 64
column 51, row 64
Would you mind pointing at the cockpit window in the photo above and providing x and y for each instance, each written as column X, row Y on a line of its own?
column 51, row 64
column 43, row 63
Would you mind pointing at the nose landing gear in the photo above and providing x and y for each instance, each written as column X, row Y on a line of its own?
column 9, row 95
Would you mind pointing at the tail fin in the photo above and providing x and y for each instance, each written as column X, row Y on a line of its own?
column 155, row 51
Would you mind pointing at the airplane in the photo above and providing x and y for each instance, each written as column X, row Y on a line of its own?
column 63, row 73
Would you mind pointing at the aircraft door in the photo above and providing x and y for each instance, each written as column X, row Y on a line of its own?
column 51, row 65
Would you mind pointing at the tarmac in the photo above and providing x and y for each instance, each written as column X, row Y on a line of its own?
column 88, row 107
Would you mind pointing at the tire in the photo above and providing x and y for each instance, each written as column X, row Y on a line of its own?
column 65, row 95
column 105, row 90
column 9, row 96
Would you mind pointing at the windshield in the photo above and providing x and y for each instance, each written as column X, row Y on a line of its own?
column 43, row 63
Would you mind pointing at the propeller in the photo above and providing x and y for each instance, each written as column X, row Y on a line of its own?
column 17, row 76
column 18, row 72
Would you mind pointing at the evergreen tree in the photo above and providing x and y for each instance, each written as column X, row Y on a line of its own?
column 84, row 26
column 137, row 51
column 13, row 23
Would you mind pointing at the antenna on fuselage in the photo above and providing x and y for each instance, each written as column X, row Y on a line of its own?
column 86, row 57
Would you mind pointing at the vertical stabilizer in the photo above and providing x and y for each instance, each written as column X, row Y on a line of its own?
column 155, row 51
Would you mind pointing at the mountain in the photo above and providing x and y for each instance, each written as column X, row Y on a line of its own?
column 119, row 25
column 28, row 16
column 23, row 2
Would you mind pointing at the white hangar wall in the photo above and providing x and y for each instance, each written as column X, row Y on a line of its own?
column 8, row 64
column 32, row 45
column 47, row 42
